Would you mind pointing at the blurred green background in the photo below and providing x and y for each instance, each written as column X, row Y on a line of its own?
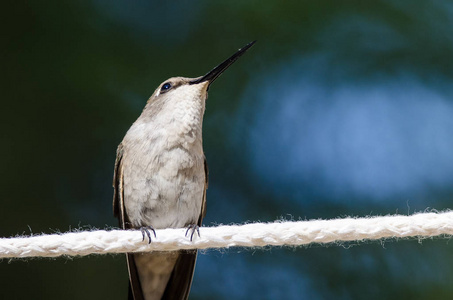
column 341, row 108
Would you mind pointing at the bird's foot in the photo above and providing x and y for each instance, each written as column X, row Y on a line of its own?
column 147, row 230
column 193, row 228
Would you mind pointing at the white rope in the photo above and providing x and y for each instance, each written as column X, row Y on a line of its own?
column 248, row 235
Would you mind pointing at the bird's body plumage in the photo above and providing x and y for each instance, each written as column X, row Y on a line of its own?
column 164, row 179
column 160, row 180
column 161, row 175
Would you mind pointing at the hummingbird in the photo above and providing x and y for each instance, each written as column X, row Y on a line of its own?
column 160, row 181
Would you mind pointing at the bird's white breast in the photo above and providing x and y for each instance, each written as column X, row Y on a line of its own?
column 163, row 163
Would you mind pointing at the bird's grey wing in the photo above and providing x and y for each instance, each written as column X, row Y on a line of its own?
column 178, row 286
column 135, row 290
column 118, row 201
column 180, row 281
column 206, row 183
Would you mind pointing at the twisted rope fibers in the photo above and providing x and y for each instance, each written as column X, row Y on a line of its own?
column 281, row 233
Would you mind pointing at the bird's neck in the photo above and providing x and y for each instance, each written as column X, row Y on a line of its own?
column 174, row 125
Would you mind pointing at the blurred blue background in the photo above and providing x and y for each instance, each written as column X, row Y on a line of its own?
column 341, row 108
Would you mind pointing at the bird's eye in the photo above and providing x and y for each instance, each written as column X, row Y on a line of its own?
column 165, row 87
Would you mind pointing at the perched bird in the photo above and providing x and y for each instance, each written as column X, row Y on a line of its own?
column 160, row 181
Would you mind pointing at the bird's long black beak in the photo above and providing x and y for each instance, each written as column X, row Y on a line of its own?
column 217, row 71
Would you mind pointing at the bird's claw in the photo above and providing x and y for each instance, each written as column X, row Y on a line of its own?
column 193, row 228
column 147, row 229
